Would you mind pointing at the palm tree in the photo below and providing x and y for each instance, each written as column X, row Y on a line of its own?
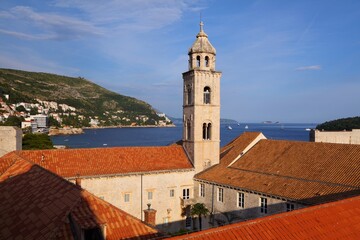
column 199, row 209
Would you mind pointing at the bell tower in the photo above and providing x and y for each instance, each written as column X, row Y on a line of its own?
column 201, row 106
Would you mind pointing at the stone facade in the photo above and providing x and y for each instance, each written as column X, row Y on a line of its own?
column 230, row 209
column 10, row 139
column 132, row 193
column 345, row 137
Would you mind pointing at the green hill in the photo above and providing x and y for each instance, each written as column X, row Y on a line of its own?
column 340, row 124
column 88, row 98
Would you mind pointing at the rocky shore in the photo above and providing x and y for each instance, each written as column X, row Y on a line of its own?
column 65, row 131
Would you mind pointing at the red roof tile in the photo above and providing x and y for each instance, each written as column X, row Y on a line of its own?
column 106, row 161
column 301, row 171
column 37, row 204
column 336, row 220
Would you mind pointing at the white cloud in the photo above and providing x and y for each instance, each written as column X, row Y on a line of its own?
column 141, row 15
column 309, row 68
column 42, row 26
column 25, row 35
column 86, row 17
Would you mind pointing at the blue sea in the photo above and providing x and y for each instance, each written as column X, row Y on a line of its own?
column 111, row 137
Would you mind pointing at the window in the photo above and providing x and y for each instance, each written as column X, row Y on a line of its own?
column 263, row 205
column 241, row 200
column 198, row 61
column 207, row 95
column 290, row 207
column 188, row 130
column 202, row 190
column 207, row 61
column 150, row 195
column 172, row 192
column 189, row 94
column 206, row 131
column 186, row 193
column 127, row 197
column 220, row 195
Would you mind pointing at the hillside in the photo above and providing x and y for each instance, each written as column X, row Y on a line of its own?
column 89, row 99
column 340, row 124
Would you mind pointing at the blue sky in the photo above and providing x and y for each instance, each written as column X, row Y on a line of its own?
column 287, row 61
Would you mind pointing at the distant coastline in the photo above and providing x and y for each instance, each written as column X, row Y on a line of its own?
column 74, row 131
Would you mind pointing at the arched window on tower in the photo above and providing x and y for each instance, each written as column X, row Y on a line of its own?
column 206, row 61
column 206, row 131
column 189, row 95
column 207, row 95
column 198, row 61
column 188, row 130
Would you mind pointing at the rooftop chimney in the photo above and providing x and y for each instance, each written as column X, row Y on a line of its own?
column 150, row 215
column 78, row 180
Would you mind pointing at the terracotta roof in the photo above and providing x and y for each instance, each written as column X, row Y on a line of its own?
column 336, row 220
column 302, row 171
column 233, row 149
column 107, row 161
column 37, row 204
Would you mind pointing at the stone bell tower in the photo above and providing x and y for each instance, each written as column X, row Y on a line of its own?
column 201, row 107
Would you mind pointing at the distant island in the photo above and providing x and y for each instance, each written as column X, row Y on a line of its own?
column 342, row 124
column 70, row 102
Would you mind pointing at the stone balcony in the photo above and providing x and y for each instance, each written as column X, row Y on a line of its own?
column 187, row 202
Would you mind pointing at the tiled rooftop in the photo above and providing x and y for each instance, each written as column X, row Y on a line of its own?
column 302, row 171
column 37, row 204
column 336, row 220
column 106, row 161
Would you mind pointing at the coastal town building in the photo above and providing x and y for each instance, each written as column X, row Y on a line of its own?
column 250, row 177
column 345, row 137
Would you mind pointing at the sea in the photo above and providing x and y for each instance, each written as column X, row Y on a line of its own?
column 162, row 136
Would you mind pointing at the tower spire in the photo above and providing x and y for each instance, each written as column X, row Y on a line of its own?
column 201, row 23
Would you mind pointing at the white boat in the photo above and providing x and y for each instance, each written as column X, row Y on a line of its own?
column 105, row 144
column 229, row 127
column 246, row 127
column 308, row 129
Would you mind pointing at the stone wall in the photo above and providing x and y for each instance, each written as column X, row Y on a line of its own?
column 137, row 187
column 345, row 137
column 10, row 139
column 228, row 211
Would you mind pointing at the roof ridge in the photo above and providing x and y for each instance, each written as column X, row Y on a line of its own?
column 99, row 148
column 15, row 153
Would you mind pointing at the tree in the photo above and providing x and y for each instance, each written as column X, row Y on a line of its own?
column 199, row 209
column 34, row 111
column 36, row 141
column 21, row 108
column 53, row 122
column 13, row 121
